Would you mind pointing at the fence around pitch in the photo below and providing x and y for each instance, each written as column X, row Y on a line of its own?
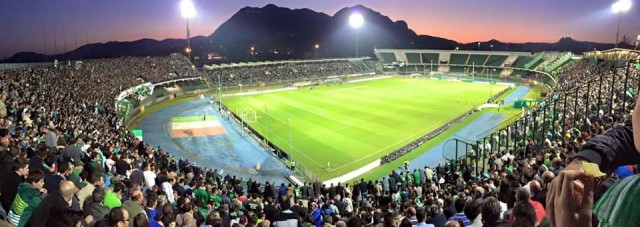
column 529, row 130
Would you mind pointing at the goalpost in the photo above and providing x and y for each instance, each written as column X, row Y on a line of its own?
column 249, row 115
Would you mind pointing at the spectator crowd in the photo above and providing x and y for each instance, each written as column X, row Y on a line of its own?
column 66, row 161
column 285, row 72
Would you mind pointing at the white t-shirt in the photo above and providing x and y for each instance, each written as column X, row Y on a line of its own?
column 149, row 178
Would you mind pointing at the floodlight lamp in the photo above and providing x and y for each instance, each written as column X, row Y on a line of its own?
column 621, row 6
column 317, row 46
column 187, row 8
column 356, row 20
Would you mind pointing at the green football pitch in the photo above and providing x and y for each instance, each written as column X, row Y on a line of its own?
column 336, row 129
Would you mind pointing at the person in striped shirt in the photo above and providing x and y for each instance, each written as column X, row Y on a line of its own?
column 27, row 199
column 459, row 216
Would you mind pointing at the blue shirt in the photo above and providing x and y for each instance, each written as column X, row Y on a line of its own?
column 460, row 217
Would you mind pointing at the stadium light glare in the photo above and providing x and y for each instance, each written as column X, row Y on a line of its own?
column 621, row 6
column 356, row 20
column 188, row 9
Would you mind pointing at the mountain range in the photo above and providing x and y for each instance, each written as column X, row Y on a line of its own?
column 277, row 33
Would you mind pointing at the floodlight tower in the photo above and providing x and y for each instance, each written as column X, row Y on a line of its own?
column 620, row 7
column 188, row 11
column 356, row 20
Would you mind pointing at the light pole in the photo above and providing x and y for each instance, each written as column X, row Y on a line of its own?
column 490, row 84
column 266, row 123
column 290, row 144
column 219, row 94
column 356, row 20
column 188, row 11
column 241, row 96
column 317, row 46
column 473, row 71
column 478, row 45
column 431, row 70
column 241, row 112
column 620, row 7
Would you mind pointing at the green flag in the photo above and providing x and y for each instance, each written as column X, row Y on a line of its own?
column 137, row 133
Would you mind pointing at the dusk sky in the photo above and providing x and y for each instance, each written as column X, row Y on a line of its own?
column 24, row 24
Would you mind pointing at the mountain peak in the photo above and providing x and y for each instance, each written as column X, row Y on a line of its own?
column 280, row 33
column 270, row 6
column 356, row 8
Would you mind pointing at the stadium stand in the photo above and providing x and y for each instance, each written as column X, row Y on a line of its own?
column 496, row 60
column 477, row 59
column 413, row 58
column 521, row 61
column 284, row 72
column 558, row 62
column 57, row 125
column 388, row 58
column 459, row 59
column 535, row 61
column 428, row 58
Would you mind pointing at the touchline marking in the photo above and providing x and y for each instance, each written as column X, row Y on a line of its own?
column 405, row 139
column 349, row 88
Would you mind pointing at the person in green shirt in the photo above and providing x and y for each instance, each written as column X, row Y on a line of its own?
column 254, row 205
column 201, row 193
column 92, row 167
column 27, row 199
column 113, row 196
column 215, row 198
column 416, row 177
column 297, row 192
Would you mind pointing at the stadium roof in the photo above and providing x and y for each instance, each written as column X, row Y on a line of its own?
column 614, row 54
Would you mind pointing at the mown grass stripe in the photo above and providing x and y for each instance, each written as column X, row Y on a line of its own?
column 355, row 126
